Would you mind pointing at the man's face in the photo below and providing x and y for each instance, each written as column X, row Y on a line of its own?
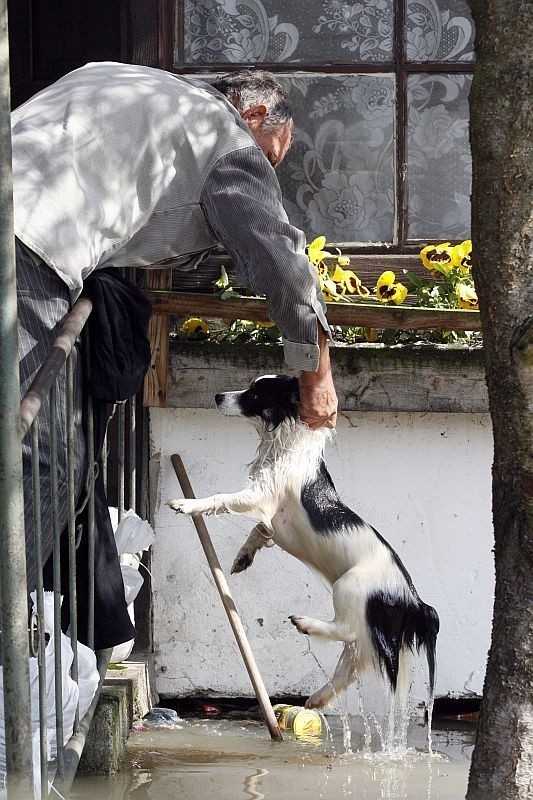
column 274, row 142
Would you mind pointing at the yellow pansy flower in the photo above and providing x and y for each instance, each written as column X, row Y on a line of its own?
column 462, row 256
column 195, row 327
column 332, row 290
column 466, row 296
column 350, row 282
column 437, row 255
column 389, row 291
column 343, row 261
column 370, row 334
column 338, row 277
column 315, row 251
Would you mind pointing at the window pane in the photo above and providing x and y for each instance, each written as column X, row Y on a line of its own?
column 337, row 179
column 314, row 31
column 439, row 30
column 439, row 162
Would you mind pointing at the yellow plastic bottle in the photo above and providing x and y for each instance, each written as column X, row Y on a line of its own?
column 301, row 721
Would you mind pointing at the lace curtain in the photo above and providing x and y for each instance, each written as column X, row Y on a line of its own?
column 339, row 177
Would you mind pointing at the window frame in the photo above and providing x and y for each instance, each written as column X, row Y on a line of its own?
column 172, row 39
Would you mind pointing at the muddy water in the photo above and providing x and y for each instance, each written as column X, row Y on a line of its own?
column 234, row 759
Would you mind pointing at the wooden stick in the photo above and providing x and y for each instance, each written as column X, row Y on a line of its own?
column 229, row 605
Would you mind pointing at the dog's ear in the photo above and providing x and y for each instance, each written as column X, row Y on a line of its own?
column 286, row 402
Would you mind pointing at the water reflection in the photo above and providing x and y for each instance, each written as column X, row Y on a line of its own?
column 233, row 759
column 251, row 783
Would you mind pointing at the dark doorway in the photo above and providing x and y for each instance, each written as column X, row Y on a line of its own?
column 48, row 38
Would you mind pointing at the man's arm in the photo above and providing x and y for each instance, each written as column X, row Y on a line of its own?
column 241, row 200
column 318, row 399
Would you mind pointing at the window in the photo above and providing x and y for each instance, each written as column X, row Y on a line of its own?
column 379, row 90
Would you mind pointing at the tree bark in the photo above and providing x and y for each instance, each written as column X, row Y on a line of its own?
column 501, row 133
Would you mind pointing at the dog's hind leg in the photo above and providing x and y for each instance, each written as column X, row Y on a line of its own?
column 345, row 674
column 316, row 627
column 347, row 624
column 258, row 538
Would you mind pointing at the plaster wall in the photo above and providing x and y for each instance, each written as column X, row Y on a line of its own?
column 422, row 479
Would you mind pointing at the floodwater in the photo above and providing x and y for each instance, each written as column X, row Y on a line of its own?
column 235, row 759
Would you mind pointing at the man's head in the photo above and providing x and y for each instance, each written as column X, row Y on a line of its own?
column 262, row 103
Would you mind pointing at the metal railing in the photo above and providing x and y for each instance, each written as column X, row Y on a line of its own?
column 56, row 778
column 22, row 633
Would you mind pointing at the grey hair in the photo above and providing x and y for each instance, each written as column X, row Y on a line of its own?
column 250, row 87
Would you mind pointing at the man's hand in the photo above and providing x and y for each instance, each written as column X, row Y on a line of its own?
column 318, row 399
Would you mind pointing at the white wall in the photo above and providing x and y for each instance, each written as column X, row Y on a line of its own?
column 422, row 479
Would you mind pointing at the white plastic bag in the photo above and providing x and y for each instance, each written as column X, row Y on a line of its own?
column 88, row 682
column 133, row 580
column 132, row 536
column 82, row 692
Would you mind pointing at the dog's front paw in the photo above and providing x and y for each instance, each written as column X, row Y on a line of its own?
column 184, row 506
column 300, row 623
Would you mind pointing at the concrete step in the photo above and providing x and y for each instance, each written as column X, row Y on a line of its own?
column 128, row 694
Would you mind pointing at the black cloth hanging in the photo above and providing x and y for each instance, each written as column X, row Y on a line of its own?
column 119, row 351
column 116, row 358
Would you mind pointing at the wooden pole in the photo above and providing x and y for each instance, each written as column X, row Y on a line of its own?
column 229, row 605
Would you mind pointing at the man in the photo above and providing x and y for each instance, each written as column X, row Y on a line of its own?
column 121, row 165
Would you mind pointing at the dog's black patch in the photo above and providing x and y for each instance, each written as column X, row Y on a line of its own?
column 327, row 513
column 272, row 399
column 396, row 622
column 398, row 561
column 427, row 628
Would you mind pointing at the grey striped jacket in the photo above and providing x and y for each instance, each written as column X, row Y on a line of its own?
column 117, row 165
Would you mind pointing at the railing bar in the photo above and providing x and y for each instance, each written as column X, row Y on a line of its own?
column 45, row 377
column 72, row 523
column 41, row 659
column 57, row 581
column 13, row 597
column 133, row 453
column 121, row 459
column 103, row 462
column 74, row 746
column 90, row 522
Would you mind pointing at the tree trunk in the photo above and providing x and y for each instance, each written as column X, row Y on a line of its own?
column 502, row 149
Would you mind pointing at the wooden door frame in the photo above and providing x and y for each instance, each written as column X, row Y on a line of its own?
column 149, row 32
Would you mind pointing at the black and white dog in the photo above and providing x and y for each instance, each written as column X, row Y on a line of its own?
column 378, row 613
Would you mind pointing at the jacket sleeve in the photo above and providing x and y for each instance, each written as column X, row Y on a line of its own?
column 241, row 200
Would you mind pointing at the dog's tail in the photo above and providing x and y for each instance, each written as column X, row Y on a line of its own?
column 398, row 623
column 426, row 630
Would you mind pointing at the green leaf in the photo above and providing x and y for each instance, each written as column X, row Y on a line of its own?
column 440, row 268
column 415, row 279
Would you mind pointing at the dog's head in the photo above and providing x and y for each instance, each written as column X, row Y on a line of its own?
column 270, row 400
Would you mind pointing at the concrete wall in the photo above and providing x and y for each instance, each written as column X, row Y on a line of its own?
column 423, row 479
